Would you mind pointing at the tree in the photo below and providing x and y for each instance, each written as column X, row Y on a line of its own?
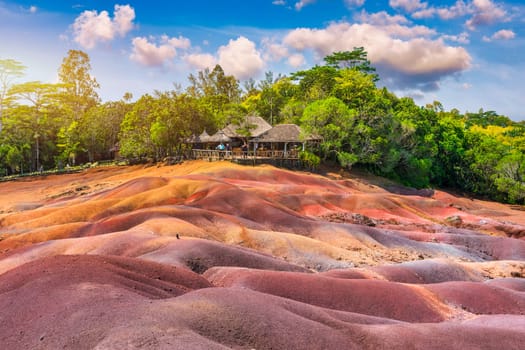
column 356, row 60
column 101, row 127
column 77, row 97
column 79, row 86
column 270, row 101
column 217, row 90
column 332, row 120
column 41, row 99
column 316, row 83
column 9, row 71
column 355, row 88
column 510, row 176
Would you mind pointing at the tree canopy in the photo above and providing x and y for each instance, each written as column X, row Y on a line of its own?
column 361, row 124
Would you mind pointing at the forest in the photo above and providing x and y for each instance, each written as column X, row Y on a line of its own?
column 46, row 126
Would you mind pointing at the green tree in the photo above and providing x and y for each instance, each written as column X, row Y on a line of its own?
column 135, row 136
column 9, row 70
column 42, row 100
column 101, row 127
column 77, row 97
column 510, row 176
column 357, row 59
column 332, row 120
column 216, row 90
column 79, row 86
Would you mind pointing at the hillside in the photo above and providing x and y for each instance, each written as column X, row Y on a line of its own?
column 215, row 255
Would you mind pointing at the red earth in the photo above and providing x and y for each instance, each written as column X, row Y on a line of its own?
column 206, row 255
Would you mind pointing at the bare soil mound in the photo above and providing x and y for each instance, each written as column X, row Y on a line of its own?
column 205, row 255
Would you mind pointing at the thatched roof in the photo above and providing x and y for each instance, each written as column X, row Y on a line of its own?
column 202, row 138
column 219, row 136
column 285, row 133
column 259, row 127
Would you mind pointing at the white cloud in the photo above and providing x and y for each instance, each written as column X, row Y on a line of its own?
column 241, row 59
column 123, row 21
column 177, row 43
column 416, row 62
column 395, row 25
column 459, row 9
column 296, row 60
column 149, row 53
column 407, row 5
column 354, row 3
column 485, row 12
column 279, row 2
column 33, row 9
column 424, row 13
column 274, row 51
column 462, row 38
column 503, row 34
column 302, row 3
column 201, row 61
column 91, row 27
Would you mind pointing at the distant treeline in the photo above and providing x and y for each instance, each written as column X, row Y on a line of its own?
column 45, row 126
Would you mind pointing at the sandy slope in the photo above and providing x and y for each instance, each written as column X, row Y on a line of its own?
column 215, row 255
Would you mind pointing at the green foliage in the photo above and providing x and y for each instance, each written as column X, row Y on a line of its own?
column 360, row 124
column 346, row 160
column 509, row 177
column 355, row 60
column 331, row 119
column 310, row 160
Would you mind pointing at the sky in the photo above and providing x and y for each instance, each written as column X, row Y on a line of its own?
column 466, row 54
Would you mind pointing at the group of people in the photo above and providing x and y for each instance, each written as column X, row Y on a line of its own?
column 222, row 147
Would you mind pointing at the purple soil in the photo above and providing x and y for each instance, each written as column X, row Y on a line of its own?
column 370, row 297
column 146, row 278
column 480, row 298
column 422, row 282
column 426, row 271
column 200, row 255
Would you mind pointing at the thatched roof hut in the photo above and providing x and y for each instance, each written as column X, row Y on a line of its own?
column 286, row 133
column 256, row 125
column 202, row 138
column 219, row 137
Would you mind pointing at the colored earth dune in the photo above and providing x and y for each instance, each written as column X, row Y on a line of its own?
column 206, row 255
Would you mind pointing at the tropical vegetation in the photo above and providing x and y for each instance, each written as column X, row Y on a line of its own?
column 44, row 126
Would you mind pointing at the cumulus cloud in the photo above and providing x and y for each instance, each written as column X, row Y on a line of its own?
column 302, row 3
column 410, row 63
column 354, row 3
column 485, row 12
column 274, row 51
column 462, row 38
column 200, row 61
column 407, row 5
column 395, row 25
column 241, row 59
column 149, row 53
column 91, row 27
column 503, row 34
column 482, row 12
column 459, row 9
column 123, row 21
column 296, row 60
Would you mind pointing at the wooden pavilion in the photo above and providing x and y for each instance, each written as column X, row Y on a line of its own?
column 265, row 144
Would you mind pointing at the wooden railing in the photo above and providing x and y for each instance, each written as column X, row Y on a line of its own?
column 239, row 154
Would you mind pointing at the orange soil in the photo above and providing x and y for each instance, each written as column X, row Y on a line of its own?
column 216, row 255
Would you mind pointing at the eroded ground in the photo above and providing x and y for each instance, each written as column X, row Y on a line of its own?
column 215, row 256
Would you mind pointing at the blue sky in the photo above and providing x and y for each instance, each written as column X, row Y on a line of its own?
column 467, row 54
